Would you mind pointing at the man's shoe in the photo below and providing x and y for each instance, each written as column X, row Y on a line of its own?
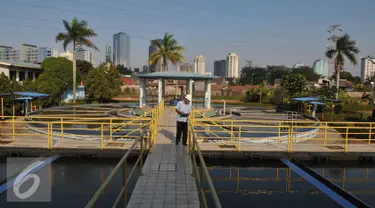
column 184, row 144
column 176, row 143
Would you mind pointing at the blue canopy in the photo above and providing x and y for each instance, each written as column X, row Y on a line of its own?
column 24, row 98
column 31, row 94
column 317, row 103
column 306, row 99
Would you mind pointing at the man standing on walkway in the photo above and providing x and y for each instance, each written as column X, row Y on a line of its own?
column 183, row 109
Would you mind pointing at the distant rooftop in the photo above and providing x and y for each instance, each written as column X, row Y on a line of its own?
column 371, row 57
column 29, row 45
column 3, row 46
column 175, row 75
column 20, row 64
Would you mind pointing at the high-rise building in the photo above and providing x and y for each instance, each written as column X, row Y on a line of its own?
column 29, row 53
column 82, row 54
column 321, row 67
column 367, row 68
column 9, row 54
column 199, row 65
column 220, row 68
column 151, row 50
column 108, row 53
column 186, row 67
column 121, row 49
column 43, row 53
column 67, row 54
column 55, row 53
column 89, row 57
column 232, row 65
column 145, row 68
column 298, row 65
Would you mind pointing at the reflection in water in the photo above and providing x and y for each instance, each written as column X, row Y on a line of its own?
column 75, row 181
column 267, row 187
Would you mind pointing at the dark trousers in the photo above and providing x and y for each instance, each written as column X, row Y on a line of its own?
column 182, row 128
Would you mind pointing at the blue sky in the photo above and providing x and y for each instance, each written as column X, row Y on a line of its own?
column 266, row 32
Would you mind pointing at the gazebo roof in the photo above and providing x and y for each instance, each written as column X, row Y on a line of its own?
column 175, row 75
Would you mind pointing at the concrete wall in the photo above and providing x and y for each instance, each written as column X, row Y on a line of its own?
column 356, row 94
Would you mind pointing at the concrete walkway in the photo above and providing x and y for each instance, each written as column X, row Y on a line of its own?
column 166, row 180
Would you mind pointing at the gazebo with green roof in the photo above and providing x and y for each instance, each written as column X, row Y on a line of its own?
column 162, row 76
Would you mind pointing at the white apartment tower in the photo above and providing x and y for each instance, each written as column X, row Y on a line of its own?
column 232, row 65
column 367, row 68
column 199, row 65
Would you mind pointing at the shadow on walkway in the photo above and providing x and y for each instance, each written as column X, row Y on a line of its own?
column 170, row 135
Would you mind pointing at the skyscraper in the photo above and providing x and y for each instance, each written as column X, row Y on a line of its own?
column 232, row 65
column 43, row 53
column 186, row 67
column 151, row 50
column 321, row 67
column 121, row 49
column 145, row 69
column 82, row 54
column 367, row 68
column 220, row 68
column 199, row 65
column 108, row 53
column 29, row 53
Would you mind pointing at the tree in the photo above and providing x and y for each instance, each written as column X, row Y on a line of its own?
column 5, row 84
column 253, row 76
column 103, row 84
column 275, row 72
column 345, row 49
column 348, row 76
column 307, row 72
column 167, row 50
column 84, row 67
column 295, row 84
column 77, row 33
column 123, row 70
column 324, row 92
column 55, row 78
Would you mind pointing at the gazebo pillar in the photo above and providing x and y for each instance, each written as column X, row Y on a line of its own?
column 160, row 90
column 207, row 94
column 189, row 90
column 142, row 93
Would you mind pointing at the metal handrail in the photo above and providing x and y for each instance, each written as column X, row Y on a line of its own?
column 126, row 178
column 203, row 173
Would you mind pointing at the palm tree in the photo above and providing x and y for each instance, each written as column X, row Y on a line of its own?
column 166, row 50
column 345, row 48
column 77, row 33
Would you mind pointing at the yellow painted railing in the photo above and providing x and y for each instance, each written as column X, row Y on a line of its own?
column 156, row 112
column 201, row 174
column 287, row 134
column 125, row 176
column 69, row 132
